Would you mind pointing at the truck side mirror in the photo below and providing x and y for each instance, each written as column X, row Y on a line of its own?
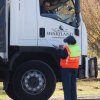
column 76, row 31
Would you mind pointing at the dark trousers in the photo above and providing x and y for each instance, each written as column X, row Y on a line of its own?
column 69, row 83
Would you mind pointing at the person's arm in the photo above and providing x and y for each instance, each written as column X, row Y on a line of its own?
column 63, row 53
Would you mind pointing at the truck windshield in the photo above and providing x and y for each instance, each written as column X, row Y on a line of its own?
column 61, row 11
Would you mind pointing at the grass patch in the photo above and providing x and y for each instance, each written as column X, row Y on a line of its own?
column 88, row 87
column 3, row 96
column 84, row 88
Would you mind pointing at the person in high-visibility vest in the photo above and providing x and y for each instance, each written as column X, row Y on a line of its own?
column 69, row 66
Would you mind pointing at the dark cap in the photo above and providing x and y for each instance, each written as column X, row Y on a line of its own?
column 70, row 40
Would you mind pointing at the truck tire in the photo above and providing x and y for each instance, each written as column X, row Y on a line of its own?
column 9, row 91
column 34, row 80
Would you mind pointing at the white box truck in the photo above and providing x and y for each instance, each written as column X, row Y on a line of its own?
column 29, row 63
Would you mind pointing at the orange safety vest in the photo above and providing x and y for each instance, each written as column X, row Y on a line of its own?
column 70, row 62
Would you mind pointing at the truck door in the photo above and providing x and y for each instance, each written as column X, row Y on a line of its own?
column 54, row 26
column 23, row 23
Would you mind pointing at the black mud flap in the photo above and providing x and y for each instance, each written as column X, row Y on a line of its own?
column 3, row 70
column 4, row 74
column 81, row 70
column 81, row 73
column 93, row 67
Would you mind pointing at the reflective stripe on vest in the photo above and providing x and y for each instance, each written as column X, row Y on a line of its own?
column 72, row 60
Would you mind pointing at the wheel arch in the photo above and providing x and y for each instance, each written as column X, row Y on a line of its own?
column 49, row 58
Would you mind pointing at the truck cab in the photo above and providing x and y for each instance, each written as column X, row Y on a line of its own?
column 29, row 61
column 31, row 27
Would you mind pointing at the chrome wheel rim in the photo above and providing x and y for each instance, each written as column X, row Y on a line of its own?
column 33, row 82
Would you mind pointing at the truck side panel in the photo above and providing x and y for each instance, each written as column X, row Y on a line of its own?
column 23, row 23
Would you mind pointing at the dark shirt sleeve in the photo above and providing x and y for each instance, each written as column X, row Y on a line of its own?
column 43, row 11
column 63, row 53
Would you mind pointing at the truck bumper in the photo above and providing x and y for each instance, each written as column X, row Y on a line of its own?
column 93, row 67
column 89, row 68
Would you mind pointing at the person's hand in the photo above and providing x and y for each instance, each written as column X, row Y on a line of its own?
column 56, row 47
column 61, row 47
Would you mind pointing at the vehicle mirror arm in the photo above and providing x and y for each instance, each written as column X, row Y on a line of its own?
column 77, row 20
column 77, row 12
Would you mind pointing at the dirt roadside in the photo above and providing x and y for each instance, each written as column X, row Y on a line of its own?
column 91, row 97
column 79, row 98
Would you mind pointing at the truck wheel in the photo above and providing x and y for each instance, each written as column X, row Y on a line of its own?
column 34, row 80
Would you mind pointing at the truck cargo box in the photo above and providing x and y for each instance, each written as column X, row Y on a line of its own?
column 2, row 25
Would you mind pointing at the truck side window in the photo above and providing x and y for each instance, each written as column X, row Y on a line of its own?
column 61, row 11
